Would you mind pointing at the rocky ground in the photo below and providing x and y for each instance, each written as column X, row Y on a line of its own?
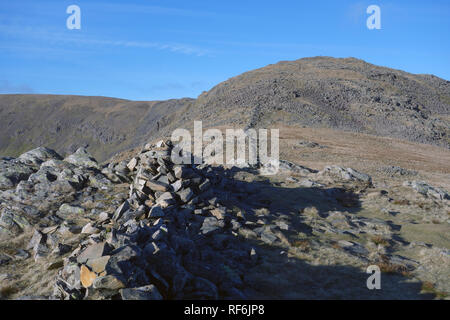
column 144, row 228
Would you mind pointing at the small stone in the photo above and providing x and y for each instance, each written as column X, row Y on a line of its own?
column 151, row 249
column 282, row 225
column 253, row 255
column 68, row 209
column 4, row 259
column 157, row 185
column 94, row 251
column 121, row 210
column 158, row 235
column 108, row 282
column 198, row 211
column 219, row 213
column 103, row 216
column 21, row 255
column 35, row 240
column 98, row 264
column 185, row 195
column 89, row 229
column 210, row 225
column 166, row 199
column 163, row 179
column 132, row 164
column 87, row 277
column 177, row 185
column 49, row 230
column 268, row 237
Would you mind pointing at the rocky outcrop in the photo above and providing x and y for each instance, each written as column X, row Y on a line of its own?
column 172, row 238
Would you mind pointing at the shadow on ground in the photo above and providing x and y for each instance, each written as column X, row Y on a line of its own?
column 277, row 276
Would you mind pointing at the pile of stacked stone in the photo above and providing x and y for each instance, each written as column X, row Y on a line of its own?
column 171, row 239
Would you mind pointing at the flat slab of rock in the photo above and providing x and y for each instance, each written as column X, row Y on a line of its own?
column 94, row 251
column 157, row 185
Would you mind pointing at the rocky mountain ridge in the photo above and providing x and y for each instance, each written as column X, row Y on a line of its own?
column 321, row 92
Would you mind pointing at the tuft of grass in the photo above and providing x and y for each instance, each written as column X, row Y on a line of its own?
column 303, row 245
column 428, row 287
column 336, row 246
column 348, row 201
column 7, row 291
column 391, row 268
column 379, row 240
column 401, row 202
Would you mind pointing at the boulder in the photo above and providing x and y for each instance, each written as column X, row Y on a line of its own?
column 82, row 158
column 39, row 155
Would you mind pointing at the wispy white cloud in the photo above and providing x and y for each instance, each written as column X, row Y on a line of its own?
column 54, row 38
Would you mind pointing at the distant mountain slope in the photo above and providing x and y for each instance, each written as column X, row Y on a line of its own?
column 347, row 94
column 105, row 125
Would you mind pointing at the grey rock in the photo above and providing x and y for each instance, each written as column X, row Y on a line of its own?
column 121, row 210
column 157, row 185
column 211, row 224
column 166, row 199
column 348, row 174
column 12, row 172
column 426, row 189
column 149, row 292
column 37, row 238
column 68, row 209
column 82, row 158
column 94, row 251
column 39, row 155
column 268, row 237
column 177, row 185
column 185, row 195
column 12, row 221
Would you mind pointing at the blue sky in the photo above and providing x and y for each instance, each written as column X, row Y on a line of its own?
column 154, row 50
